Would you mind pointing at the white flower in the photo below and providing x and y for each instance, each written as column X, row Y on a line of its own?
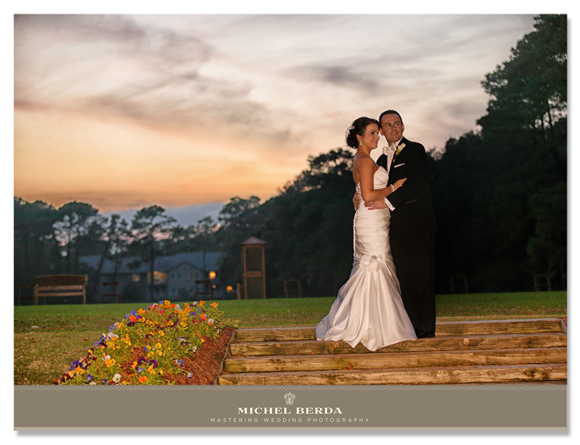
column 117, row 378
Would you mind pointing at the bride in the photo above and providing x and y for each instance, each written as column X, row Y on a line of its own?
column 368, row 308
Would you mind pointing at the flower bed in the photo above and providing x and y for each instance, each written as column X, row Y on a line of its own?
column 153, row 346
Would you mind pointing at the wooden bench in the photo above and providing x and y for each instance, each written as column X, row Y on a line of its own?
column 203, row 289
column 111, row 289
column 62, row 286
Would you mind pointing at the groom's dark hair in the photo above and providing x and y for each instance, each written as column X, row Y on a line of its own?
column 388, row 112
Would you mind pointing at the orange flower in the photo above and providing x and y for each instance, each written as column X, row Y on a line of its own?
column 201, row 302
column 142, row 379
column 214, row 305
column 203, row 317
column 133, row 318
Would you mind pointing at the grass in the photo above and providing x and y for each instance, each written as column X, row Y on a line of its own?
column 48, row 338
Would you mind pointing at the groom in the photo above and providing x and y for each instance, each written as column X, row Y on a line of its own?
column 412, row 229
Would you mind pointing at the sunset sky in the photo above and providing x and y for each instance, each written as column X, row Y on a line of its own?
column 124, row 111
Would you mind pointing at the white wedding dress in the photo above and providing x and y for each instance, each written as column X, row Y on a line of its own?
column 368, row 307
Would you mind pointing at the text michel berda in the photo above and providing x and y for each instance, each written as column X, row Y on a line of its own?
column 286, row 410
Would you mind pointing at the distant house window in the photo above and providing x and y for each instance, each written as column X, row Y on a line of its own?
column 158, row 277
column 135, row 277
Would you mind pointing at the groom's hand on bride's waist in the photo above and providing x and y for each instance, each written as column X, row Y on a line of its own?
column 376, row 205
column 356, row 201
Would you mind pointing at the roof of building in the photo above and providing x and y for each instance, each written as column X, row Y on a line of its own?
column 129, row 265
column 253, row 240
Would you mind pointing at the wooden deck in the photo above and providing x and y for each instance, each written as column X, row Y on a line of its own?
column 471, row 352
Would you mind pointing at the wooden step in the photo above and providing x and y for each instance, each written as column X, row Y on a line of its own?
column 395, row 360
column 460, row 343
column 409, row 376
column 485, row 327
column 468, row 353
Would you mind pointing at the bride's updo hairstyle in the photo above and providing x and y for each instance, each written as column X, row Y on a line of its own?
column 358, row 128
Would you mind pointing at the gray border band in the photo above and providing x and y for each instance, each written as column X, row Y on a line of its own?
column 504, row 407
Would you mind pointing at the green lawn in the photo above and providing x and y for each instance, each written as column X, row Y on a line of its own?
column 48, row 338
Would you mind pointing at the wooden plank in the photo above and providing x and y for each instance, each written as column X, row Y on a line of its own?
column 394, row 360
column 442, row 329
column 276, row 334
column 537, row 325
column 462, row 343
column 431, row 376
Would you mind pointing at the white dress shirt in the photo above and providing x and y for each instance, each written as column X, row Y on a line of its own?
column 389, row 152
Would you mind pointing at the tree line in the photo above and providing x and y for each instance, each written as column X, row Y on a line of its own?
column 500, row 198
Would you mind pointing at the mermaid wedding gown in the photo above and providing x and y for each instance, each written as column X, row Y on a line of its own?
column 368, row 308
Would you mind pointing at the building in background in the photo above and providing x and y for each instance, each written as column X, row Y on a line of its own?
column 184, row 276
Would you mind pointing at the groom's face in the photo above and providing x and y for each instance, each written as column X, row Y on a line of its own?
column 392, row 128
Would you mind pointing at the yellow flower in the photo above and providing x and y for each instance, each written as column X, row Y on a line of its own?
column 159, row 353
column 158, row 346
column 214, row 305
column 160, row 333
column 183, row 324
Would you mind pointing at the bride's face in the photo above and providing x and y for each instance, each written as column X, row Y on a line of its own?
column 370, row 138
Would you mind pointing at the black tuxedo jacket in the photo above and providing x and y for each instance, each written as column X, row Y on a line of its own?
column 411, row 163
column 412, row 233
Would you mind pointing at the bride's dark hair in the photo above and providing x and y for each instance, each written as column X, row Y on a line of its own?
column 358, row 128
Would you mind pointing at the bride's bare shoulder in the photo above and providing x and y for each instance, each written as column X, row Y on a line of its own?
column 362, row 159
